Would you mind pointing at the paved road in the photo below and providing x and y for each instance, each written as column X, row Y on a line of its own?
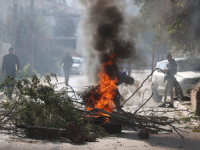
column 77, row 82
column 127, row 140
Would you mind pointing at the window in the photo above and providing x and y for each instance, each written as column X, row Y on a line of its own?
column 76, row 61
column 162, row 66
column 187, row 65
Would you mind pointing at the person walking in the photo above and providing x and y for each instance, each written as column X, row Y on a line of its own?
column 170, row 80
column 10, row 61
column 67, row 63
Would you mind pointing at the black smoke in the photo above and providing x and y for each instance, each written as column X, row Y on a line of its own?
column 107, row 31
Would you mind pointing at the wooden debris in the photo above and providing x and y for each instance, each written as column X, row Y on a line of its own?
column 90, row 137
column 73, row 133
column 148, row 122
column 143, row 134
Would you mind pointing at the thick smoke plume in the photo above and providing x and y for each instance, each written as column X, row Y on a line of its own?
column 107, row 30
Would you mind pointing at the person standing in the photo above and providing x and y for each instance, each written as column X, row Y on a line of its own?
column 170, row 80
column 10, row 61
column 67, row 63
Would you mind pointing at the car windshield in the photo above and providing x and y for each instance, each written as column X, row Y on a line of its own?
column 186, row 65
column 76, row 61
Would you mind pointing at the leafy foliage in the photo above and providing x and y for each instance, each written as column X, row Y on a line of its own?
column 37, row 103
column 175, row 22
column 45, row 51
column 1, row 79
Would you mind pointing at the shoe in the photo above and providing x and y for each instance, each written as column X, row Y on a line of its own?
column 170, row 106
column 162, row 105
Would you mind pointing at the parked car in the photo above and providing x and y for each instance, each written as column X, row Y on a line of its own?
column 188, row 74
column 77, row 67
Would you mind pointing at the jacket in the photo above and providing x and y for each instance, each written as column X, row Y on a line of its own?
column 67, row 62
column 9, row 62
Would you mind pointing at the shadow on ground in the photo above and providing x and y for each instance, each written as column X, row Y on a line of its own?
column 166, row 140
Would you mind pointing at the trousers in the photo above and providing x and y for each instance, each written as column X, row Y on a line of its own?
column 10, row 87
column 169, row 87
column 67, row 73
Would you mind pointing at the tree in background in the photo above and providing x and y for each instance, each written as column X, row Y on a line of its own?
column 64, row 27
column 1, row 29
column 58, row 1
column 46, row 55
column 175, row 22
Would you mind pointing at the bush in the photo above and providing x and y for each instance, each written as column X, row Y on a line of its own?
column 20, row 74
column 37, row 103
column 1, row 79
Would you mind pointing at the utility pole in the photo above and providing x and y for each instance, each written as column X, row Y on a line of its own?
column 31, row 36
column 15, row 3
column 153, row 54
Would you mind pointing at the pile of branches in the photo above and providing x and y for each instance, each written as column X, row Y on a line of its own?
column 36, row 102
column 153, row 124
column 151, row 119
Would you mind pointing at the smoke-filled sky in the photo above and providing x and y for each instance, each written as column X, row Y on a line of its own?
column 131, row 8
column 108, row 28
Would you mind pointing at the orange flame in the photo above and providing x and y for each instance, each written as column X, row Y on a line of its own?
column 106, row 90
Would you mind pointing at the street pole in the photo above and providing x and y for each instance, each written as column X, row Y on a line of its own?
column 153, row 54
column 31, row 36
column 15, row 3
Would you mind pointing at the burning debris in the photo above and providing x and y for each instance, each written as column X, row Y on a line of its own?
column 105, row 95
column 147, row 123
column 109, row 39
column 105, row 90
column 49, row 112
column 109, row 44
column 38, row 110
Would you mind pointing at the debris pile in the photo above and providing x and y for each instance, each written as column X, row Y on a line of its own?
column 72, row 124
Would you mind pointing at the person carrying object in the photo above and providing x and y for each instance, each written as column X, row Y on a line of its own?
column 169, row 80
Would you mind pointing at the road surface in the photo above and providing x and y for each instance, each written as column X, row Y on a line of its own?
column 127, row 140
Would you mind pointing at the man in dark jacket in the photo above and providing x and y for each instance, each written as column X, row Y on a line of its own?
column 9, row 66
column 170, row 79
column 67, row 63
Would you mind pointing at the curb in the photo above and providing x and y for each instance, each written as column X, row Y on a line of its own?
column 183, row 109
